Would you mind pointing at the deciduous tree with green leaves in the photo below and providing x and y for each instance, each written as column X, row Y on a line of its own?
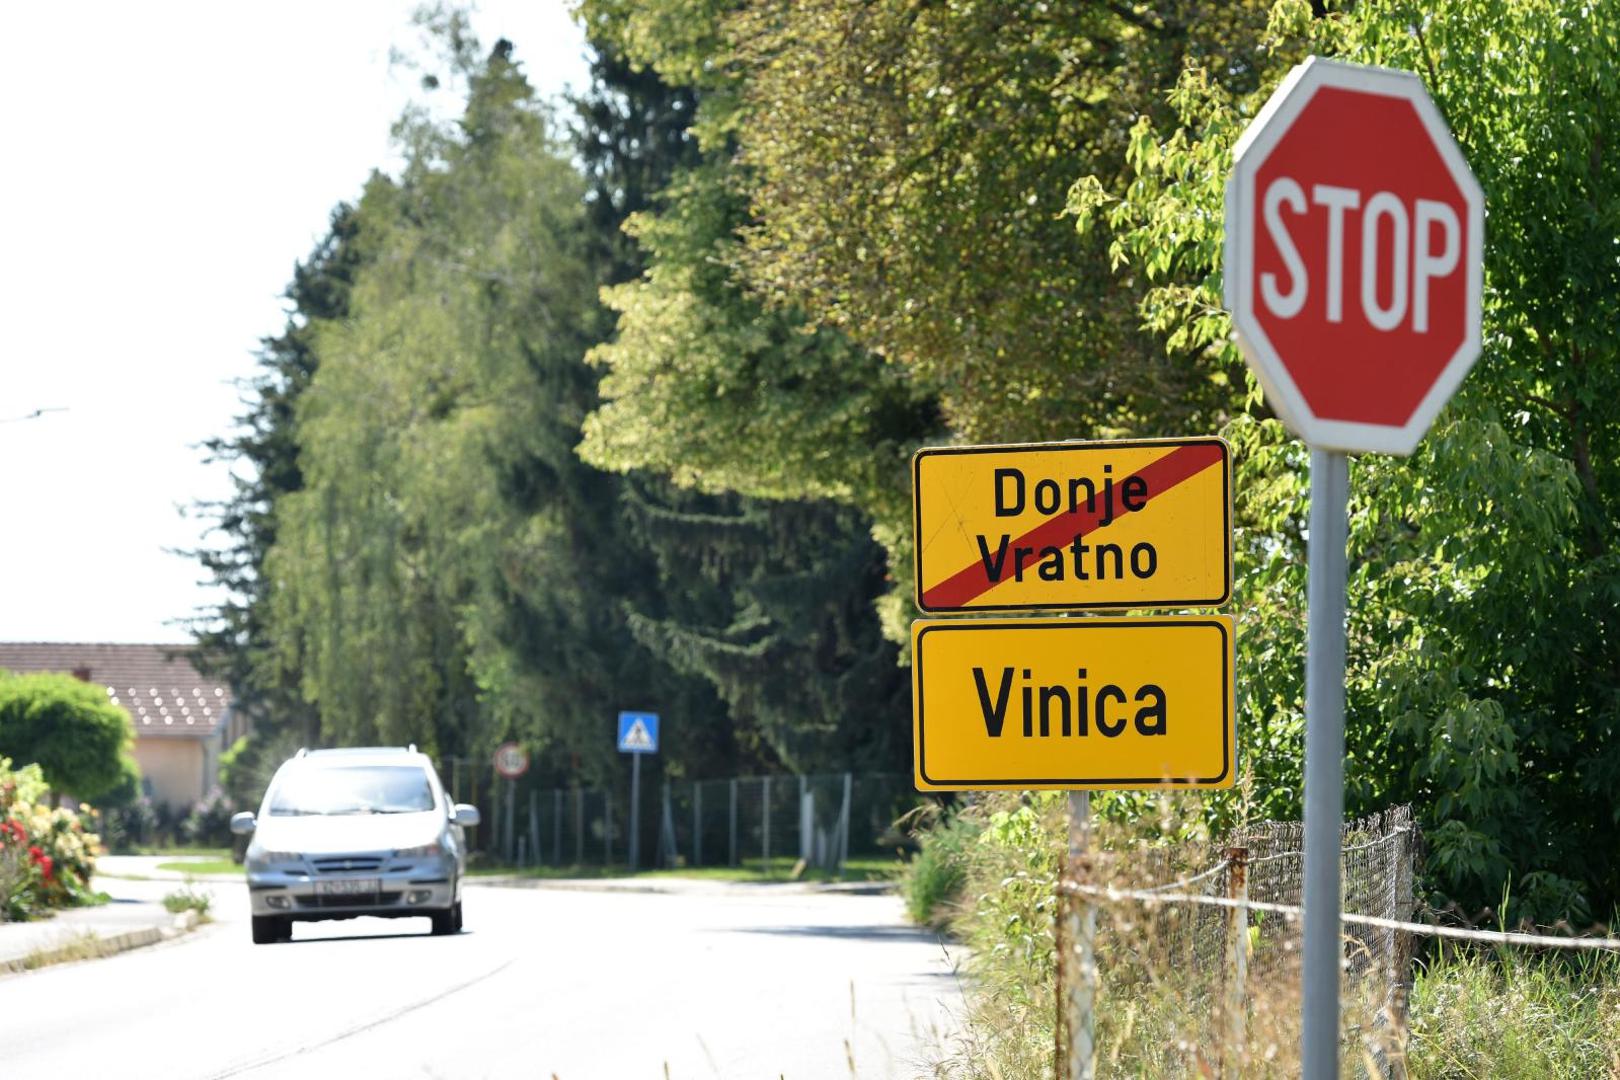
column 768, row 600
column 1484, row 630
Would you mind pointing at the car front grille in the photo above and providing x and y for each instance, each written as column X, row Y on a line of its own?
column 348, row 864
column 361, row 900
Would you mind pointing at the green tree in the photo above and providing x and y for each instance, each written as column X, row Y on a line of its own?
column 702, row 382
column 1484, row 674
column 452, row 574
column 909, row 163
column 66, row 726
column 768, row 601
column 234, row 639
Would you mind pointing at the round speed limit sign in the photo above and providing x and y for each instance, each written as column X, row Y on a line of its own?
column 511, row 760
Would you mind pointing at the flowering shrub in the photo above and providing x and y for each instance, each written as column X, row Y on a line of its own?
column 46, row 855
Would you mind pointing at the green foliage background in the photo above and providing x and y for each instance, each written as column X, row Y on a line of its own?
column 518, row 467
column 67, row 727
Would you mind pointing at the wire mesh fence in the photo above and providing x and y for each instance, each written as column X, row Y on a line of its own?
column 770, row 822
column 1203, row 943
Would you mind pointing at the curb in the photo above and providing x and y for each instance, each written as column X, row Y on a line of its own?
column 169, row 875
column 685, row 886
column 91, row 946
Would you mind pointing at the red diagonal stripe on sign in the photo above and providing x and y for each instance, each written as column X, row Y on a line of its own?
column 1161, row 474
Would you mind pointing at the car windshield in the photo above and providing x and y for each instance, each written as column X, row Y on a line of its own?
column 358, row 789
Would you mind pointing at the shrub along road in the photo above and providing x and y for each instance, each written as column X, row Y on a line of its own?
column 716, row 981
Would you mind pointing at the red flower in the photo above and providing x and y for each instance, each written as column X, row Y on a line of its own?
column 15, row 830
column 41, row 860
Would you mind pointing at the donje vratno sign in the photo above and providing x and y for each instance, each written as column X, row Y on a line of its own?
column 1073, row 526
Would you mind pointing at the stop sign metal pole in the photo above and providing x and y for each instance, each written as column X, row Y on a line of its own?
column 1337, row 139
column 1324, row 759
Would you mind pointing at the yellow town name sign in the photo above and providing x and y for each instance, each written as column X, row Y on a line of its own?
column 1084, row 703
column 1072, row 526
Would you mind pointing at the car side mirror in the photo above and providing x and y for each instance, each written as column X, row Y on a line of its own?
column 465, row 814
column 243, row 823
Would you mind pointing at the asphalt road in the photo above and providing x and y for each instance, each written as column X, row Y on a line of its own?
column 741, row 981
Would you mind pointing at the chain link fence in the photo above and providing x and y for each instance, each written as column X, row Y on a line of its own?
column 770, row 822
column 1204, row 943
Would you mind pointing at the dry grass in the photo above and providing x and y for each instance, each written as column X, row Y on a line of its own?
column 1165, row 982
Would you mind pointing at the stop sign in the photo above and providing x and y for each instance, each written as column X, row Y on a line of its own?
column 1354, row 232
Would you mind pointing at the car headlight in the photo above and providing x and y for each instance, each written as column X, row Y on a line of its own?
column 262, row 856
column 422, row 851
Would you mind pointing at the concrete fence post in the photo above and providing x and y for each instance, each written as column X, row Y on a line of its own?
column 697, row 823
column 807, row 824
column 556, row 826
column 667, row 850
column 807, row 821
column 579, row 826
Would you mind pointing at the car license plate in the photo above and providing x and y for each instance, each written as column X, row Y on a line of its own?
column 347, row 887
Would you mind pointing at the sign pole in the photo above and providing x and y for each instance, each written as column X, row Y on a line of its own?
column 1080, row 990
column 1324, row 760
column 635, row 809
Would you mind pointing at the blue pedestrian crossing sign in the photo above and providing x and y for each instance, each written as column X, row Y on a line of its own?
column 638, row 733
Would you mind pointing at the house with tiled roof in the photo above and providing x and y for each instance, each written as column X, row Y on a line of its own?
column 183, row 719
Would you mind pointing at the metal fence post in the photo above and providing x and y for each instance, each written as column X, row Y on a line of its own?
column 509, row 849
column 1237, row 959
column 731, row 850
column 697, row 823
column 534, row 825
column 1401, row 947
column 843, row 827
column 579, row 826
column 607, row 827
column 556, row 826
column 765, row 833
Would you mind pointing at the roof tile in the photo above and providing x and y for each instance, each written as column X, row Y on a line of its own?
column 157, row 685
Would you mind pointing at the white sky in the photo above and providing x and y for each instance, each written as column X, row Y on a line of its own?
column 164, row 167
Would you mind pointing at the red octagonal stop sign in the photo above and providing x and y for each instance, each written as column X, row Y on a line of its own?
column 1354, row 232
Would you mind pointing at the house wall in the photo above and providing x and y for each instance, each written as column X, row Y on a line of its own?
column 173, row 767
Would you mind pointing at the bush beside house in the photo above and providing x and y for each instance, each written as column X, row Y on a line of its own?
column 47, row 855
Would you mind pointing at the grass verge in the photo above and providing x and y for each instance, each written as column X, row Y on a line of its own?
column 1505, row 1013
column 867, row 868
column 1471, row 1013
column 203, row 866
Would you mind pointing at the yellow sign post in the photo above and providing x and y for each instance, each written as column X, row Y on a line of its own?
column 1077, row 704
column 1072, row 526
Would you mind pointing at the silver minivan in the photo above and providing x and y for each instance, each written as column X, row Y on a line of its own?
column 343, row 833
